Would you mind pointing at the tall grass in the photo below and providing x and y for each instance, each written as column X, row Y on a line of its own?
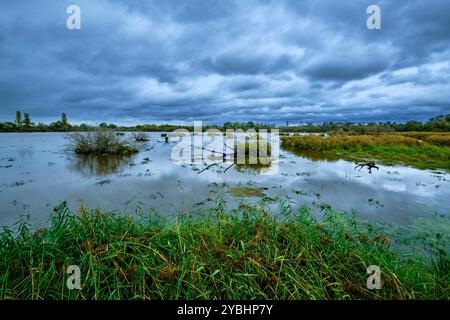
column 254, row 150
column 389, row 148
column 436, row 138
column 347, row 142
column 218, row 254
column 99, row 142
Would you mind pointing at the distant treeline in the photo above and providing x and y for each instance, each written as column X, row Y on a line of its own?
column 439, row 123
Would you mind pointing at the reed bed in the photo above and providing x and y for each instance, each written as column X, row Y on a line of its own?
column 218, row 254
column 347, row 142
column 423, row 153
column 436, row 138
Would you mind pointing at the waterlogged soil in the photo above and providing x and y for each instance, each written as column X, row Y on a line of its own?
column 37, row 172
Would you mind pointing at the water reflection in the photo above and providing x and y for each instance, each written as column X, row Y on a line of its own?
column 254, row 168
column 224, row 164
column 315, row 156
column 99, row 165
column 330, row 157
column 150, row 179
column 248, row 155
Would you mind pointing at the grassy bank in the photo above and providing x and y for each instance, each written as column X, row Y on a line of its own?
column 220, row 254
column 436, row 138
column 429, row 153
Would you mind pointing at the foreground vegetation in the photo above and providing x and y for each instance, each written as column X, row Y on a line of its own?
column 100, row 143
column 425, row 151
column 219, row 254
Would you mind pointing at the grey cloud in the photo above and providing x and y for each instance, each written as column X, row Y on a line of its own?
column 345, row 68
column 248, row 64
column 245, row 84
column 225, row 60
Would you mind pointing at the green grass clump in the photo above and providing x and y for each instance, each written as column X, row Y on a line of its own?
column 247, row 192
column 100, row 142
column 254, row 152
column 388, row 148
column 219, row 254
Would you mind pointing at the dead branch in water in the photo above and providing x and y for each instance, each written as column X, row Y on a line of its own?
column 370, row 165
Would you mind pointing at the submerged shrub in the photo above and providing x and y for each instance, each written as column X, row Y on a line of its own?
column 99, row 142
column 253, row 151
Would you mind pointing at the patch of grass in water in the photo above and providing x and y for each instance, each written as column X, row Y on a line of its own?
column 17, row 184
column 254, row 151
column 253, row 155
column 99, row 142
column 300, row 192
column 247, row 192
column 103, row 182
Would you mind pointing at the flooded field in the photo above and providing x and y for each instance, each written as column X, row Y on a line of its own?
column 37, row 172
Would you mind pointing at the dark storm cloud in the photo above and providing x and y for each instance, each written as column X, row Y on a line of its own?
column 217, row 61
column 244, row 84
column 249, row 64
column 345, row 68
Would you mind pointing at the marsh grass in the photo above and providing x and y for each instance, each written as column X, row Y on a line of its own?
column 218, row 254
column 99, row 142
column 435, row 138
column 347, row 142
column 254, row 151
column 388, row 148
column 247, row 192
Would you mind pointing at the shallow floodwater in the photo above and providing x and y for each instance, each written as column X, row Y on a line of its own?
column 37, row 172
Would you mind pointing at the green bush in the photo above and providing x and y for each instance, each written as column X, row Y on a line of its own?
column 99, row 142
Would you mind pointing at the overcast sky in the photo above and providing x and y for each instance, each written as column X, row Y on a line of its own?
column 224, row 60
